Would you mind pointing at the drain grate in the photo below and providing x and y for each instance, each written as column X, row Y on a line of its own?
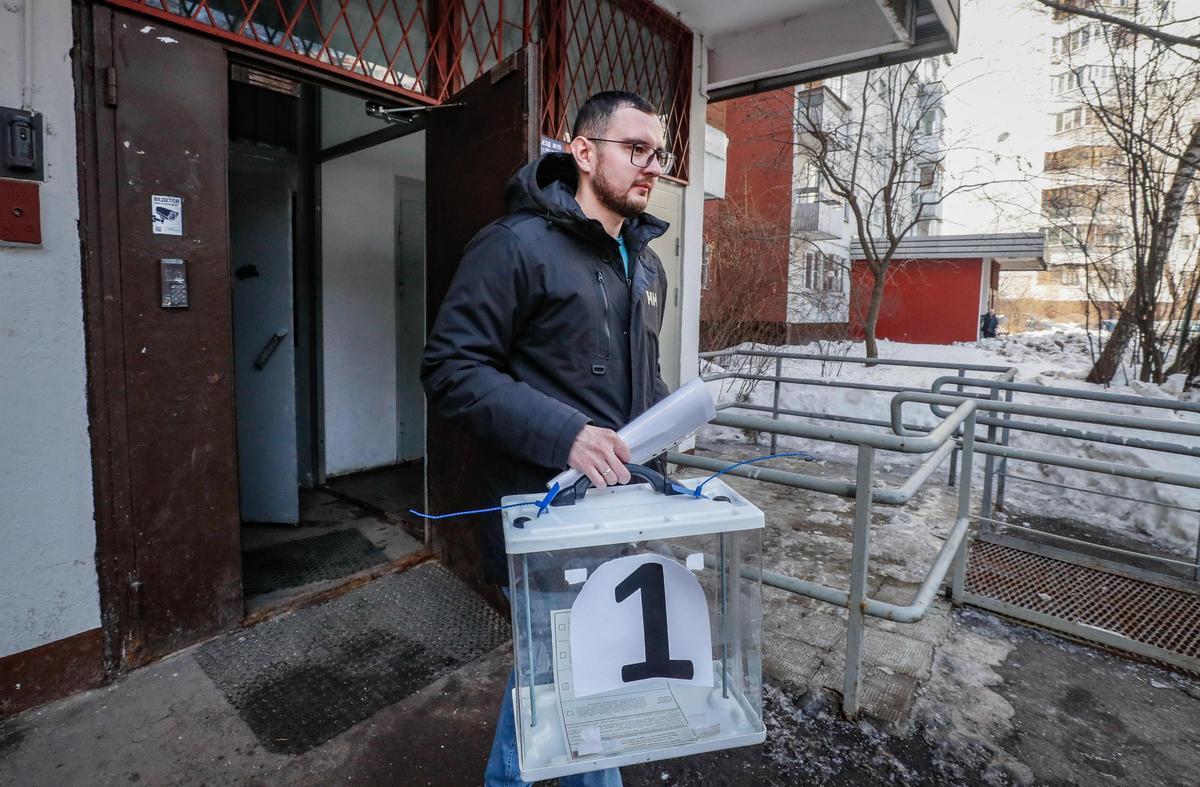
column 295, row 563
column 1156, row 616
column 300, row 679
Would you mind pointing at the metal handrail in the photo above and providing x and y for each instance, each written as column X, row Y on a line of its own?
column 1066, row 393
column 892, row 497
column 958, row 413
column 860, row 359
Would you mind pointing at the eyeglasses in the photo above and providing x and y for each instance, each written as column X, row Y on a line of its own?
column 641, row 154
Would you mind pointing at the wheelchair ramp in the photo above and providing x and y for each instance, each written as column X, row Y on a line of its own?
column 1149, row 620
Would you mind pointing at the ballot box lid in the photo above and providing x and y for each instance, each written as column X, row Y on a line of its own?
column 625, row 514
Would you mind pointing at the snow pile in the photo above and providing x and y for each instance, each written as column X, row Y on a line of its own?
column 1054, row 358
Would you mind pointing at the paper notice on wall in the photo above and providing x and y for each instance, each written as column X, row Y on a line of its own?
column 166, row 215
column 625, row 720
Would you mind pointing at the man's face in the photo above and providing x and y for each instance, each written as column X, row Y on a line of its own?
column 620, row 185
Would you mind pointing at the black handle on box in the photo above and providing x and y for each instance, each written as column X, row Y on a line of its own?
column 574, row 493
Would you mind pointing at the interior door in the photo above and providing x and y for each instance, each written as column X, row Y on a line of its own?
column 666, row 202
column 471, row 151
column 262, row 197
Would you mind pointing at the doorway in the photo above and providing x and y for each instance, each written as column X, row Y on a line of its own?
column 327, row 281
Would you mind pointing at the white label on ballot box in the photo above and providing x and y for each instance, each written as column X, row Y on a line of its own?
column 628, row 719
column 640, row 618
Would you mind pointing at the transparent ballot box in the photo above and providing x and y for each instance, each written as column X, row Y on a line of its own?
column 637, row 622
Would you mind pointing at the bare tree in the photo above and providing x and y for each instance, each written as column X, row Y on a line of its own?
column 882, row 155
column 1124, row 198
column 1157, row 30
column 741, row 271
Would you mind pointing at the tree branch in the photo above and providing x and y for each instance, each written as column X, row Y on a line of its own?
column 1156, row 33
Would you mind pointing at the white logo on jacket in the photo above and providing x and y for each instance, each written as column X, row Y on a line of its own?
column 651, row 298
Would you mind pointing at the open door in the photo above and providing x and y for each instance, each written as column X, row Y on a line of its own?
column 262, row 196
column 471, row 151
column 161, row 335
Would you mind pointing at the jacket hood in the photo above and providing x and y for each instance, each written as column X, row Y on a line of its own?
column 546, row 186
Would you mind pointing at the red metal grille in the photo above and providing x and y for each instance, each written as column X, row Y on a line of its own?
column 428, row 49
column 595, row 45
column 1159, row 616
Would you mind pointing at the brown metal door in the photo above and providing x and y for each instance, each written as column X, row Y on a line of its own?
column 169, row 543
column 471, row 151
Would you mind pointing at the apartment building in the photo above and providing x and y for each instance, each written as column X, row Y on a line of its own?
column 1095, row 216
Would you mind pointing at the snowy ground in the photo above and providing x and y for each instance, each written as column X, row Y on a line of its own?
column 1052, row 358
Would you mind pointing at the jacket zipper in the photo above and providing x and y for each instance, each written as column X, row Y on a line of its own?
column 607, row 349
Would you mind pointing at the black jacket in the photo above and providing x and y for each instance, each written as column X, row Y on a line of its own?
column 541, row 333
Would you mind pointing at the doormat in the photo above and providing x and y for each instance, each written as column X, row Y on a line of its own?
column 300, row 679
column 294, row 563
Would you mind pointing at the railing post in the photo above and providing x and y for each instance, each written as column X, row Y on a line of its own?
column 775, row 405
column 859, row 561
column 1008, row 397
column 954, row 453
column 987, row 508
column 958, row 575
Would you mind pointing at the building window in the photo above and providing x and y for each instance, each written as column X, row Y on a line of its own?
column 1069, row 276
column 1071, row 119
column 705, row 265
column 823, row 272
column 927, row 172
column 928, row 122
column 716, row 146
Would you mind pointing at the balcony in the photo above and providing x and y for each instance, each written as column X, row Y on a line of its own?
column 818, row 220
column 1081, row 157
column 822, row 111
column 927, row 204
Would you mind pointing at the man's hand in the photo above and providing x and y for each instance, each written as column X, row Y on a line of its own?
column 600, row 455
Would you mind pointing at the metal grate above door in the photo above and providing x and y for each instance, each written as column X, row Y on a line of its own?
column 427, row 50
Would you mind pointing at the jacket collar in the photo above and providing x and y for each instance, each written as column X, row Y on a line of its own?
column 547, row 186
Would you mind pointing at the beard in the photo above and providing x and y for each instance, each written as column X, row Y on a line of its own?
column 620, row 202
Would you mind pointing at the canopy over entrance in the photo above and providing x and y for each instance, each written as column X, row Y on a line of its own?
column 760, row 46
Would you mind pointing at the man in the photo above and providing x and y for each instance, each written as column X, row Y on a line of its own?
column 547, row 341
column 988, row 324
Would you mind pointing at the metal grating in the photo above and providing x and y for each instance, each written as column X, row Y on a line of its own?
column 295, row 563
column 300, row 679
column 1158, row 617
column 429, row 49
column 595, row 45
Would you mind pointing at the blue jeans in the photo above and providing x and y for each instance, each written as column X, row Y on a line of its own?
column 502, row 767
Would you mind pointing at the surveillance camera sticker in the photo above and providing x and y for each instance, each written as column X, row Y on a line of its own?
column 166, row 215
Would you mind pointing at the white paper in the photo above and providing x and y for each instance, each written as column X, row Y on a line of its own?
column 166, row 215
column 654, row 431
column 609, row 635
column 695, row 561
column 573, row 576
column 631, row 719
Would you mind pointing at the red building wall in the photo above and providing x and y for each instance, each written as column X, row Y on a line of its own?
column 924, row 301
column 748, row 230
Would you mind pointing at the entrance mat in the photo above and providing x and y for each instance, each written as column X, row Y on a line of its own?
column 300, row 679
column 294, row 563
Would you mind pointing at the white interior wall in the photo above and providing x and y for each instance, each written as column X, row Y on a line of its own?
column 359, row 281
column 48, row 585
